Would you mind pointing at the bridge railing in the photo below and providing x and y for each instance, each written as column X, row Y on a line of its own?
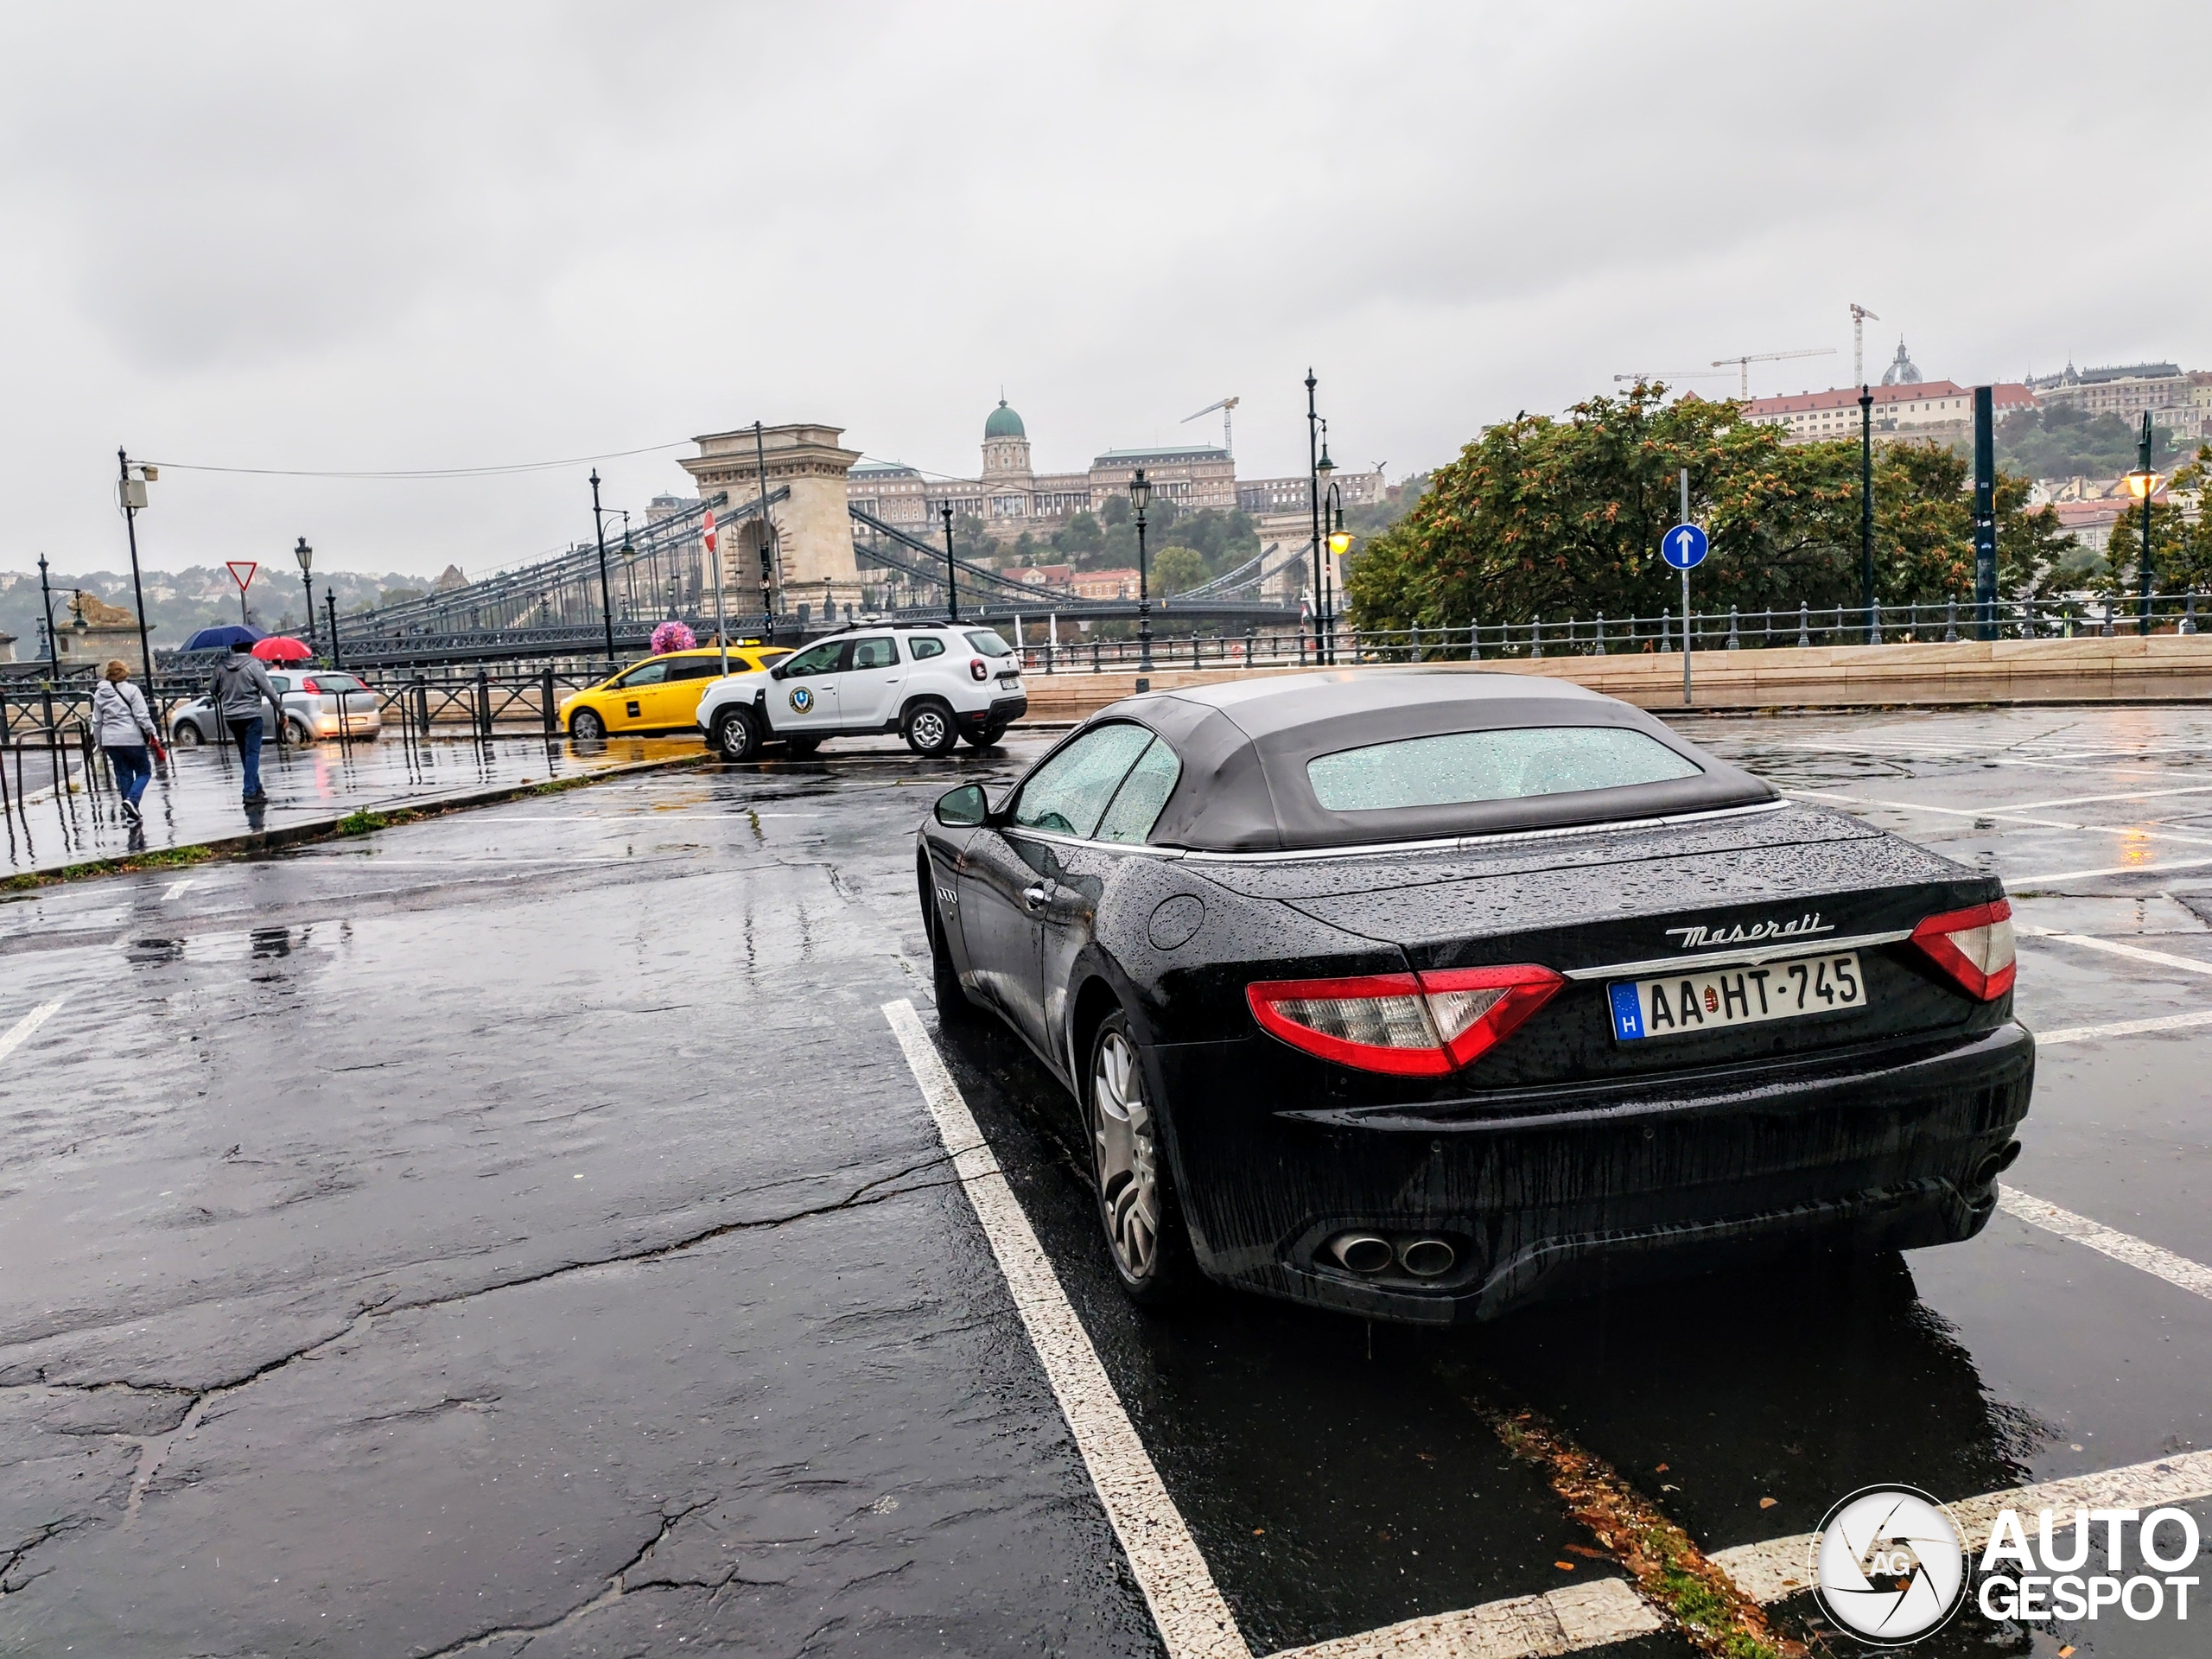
column 1948, row 621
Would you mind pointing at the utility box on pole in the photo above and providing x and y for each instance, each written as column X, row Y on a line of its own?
column 1985, row 514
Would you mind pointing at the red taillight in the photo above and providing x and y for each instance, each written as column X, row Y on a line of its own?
column 978, row 669
column 1974, row 947
column 1409, row 1024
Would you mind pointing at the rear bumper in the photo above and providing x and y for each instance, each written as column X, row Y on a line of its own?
column 1003, row 711
column 1581, row 1188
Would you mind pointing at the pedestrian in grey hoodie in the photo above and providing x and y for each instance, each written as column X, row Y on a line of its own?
column 241, row 687
column 124, row 727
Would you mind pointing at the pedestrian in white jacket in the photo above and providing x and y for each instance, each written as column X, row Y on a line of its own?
column 124, row 727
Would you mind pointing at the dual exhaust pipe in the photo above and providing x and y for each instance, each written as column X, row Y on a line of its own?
column 1996, row 1164
column 1368, row 1254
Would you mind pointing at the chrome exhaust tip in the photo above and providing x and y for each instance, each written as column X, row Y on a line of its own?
column 1996, row 1163
column 1428, row 1258
column 1361, row 1252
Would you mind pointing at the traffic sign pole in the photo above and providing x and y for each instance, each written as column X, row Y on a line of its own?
column 1686, row 596
column 1684, row 547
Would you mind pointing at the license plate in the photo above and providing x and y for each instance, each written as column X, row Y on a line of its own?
column 1717, row 997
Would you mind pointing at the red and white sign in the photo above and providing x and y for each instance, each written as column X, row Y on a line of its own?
column 242, row 572
column 708, row 531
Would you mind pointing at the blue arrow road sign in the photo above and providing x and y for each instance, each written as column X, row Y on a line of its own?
column 1684, row 547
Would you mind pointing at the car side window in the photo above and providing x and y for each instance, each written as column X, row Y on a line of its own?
column 1137, row 806
column 282, row 681
column 695, row 668
column 1068, row 794
column 644, row 674
column 919, row 645
column 817, row 659
column 876, row 653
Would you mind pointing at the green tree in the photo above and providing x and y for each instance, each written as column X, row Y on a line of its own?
column 1080, row 539
column 1178, row 569
column 1553, row 517
column 1116, row 513
column 2181, row 552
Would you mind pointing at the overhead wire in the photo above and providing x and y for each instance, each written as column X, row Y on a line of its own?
column 422, row 472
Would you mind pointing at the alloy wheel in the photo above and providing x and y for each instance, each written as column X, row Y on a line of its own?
column 929, row 729
column 1127, row 1157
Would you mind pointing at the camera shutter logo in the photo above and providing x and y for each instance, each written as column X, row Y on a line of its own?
column 1890, row 1565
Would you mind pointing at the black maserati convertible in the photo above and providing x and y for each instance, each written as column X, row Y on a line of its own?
column 1424, row 993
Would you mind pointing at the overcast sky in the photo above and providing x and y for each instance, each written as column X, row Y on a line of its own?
column 390, row 236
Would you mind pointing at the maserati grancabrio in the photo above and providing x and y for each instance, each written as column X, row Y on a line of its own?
column 1424, row 994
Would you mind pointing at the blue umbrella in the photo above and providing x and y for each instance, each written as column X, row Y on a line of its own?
column 223, row 639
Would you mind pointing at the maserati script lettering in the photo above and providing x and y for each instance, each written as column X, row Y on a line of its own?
column 1692, row 939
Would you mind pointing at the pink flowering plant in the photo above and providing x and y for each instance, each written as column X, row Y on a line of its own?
column 672, row 635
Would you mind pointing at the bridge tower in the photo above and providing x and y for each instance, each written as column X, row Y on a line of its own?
column 814, row 532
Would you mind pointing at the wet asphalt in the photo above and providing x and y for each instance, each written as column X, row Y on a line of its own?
column 520, row 1232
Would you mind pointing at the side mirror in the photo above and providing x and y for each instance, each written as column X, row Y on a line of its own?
column 778, row 673
column 963, row 808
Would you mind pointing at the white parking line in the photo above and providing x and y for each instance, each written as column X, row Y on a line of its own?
column 1831, row 797
column 2121, row 1028
column 2177, row 1270
column 1782, row 1567
column 2018, row 881
column 176, row 889
column 1186, row 1603
column 1566, row 1621
column 2134, row 952
column 30, row 1023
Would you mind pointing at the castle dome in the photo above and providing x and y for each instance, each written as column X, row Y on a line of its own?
column 1003, row 422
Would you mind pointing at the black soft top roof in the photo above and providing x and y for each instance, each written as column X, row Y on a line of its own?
column 1244, row 745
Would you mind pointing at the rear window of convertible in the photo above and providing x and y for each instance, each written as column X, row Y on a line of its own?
column 1461, row 767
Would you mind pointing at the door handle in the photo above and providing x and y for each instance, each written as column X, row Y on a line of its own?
column 1035, row 897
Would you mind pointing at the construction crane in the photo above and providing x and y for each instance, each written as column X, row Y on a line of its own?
column 1225, row 405
column 1860, row 316
column 1744, row 364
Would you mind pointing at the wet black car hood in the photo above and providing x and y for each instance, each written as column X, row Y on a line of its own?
column 1245, row 746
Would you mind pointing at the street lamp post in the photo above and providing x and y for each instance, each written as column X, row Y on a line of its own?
column 305, row 555
column 605, row 598
column 2143, row 484
column 1326, row 593
column 1140, row 498
column 767, row 535
column 1867, row 506
column 951, row 569
column 330, row 610
column 1313, row 500
column 132, row 500
column 46, row 609
column 1339, row 539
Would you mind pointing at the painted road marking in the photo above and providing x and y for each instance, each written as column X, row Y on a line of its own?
column 1831, row 797
column 2134, row 952
column 2177, row 1270
column 1186, row 1603
column 2121, row 1028
column 1782, row 1567
column 2019, row 881
column 176, row 888
column 1566, row 1621
column 30, row 1023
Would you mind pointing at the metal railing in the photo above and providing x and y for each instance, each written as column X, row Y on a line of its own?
column 1946, row 622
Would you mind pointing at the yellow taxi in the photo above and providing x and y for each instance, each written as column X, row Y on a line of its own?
column 659, row 694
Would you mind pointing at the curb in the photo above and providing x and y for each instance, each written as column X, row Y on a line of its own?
column 310, row 829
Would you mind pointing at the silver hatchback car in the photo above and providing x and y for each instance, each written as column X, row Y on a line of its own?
column 315, row 702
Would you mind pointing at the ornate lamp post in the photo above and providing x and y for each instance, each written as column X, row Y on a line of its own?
column 46, row 610
column 2143, row 484
column 1324, row 593
column 1338, row 541
column 1313, row 500
column 133, row 493
column 1140, row 498
column 951, row 569
column 305, row 555
column 605, row 598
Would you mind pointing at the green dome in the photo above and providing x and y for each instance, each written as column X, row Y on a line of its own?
column 1003, row 423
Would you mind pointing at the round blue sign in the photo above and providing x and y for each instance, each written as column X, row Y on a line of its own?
column 1683, row 547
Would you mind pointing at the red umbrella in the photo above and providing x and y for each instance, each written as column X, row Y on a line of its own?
column 278, row 649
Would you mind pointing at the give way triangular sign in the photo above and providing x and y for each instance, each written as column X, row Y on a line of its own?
column 242, row 572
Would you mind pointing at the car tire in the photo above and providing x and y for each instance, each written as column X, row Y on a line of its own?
column 186, row 735
column 1138, row 1205
column 929, row 729
column 954, row 1006
column 297, row 734
column 735, row 736
column 586, row 727
column 799, row 747
column 986, row 739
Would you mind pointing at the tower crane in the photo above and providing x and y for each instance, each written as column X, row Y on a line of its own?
column 1742, row 364
column 1226, row 405
column 1860, row 316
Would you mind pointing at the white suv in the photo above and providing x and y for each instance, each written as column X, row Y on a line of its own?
column 933, row 684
